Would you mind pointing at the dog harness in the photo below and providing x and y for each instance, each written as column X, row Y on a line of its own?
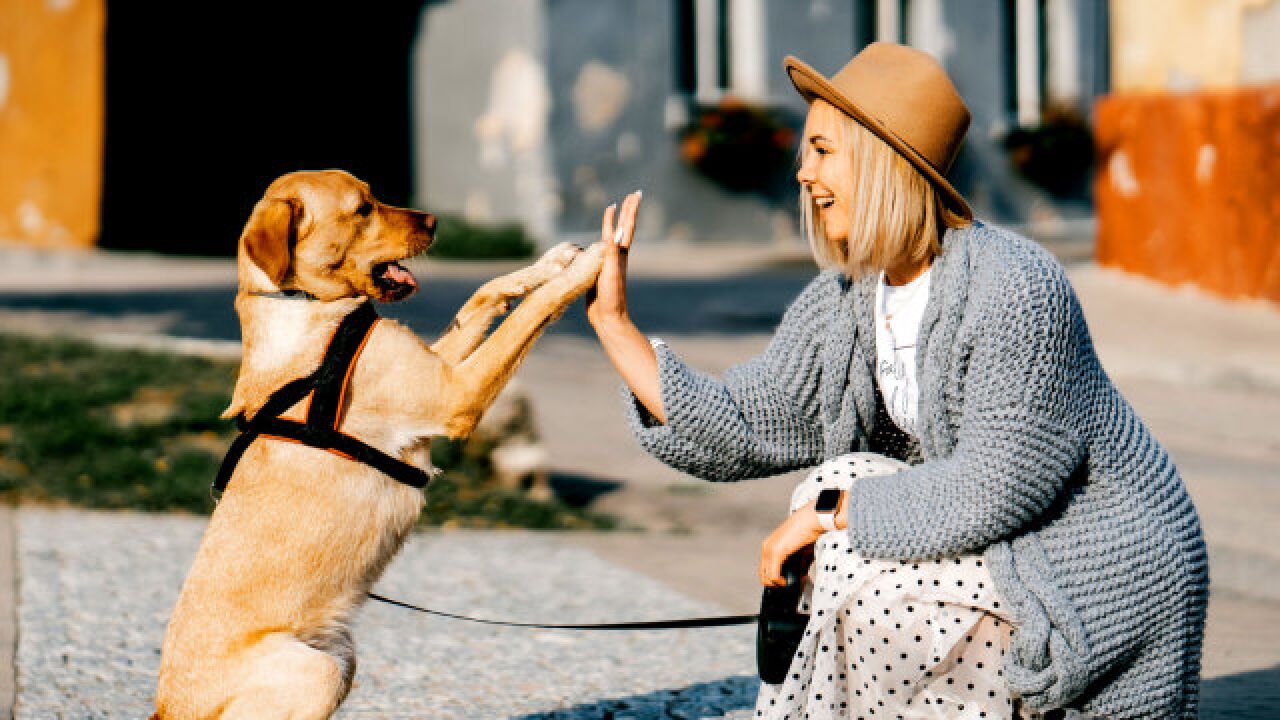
column 327, row 389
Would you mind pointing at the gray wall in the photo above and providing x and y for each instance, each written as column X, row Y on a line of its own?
column 481, row 112
column 545, row 111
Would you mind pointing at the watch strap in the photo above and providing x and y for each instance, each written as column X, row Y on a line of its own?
column 829, row 500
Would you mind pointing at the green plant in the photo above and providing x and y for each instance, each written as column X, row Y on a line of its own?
column 458, row 239
column 741, row 147
column 108, row 428
column 1057, row 154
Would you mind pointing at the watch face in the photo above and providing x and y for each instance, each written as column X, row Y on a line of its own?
column 827, row 501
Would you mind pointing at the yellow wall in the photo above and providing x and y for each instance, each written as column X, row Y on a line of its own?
column 51, row 121
column 1181, row 44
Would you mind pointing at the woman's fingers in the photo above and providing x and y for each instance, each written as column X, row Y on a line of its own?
column 626, row 229
column 797, row 532
column 771, row 561
column 606, row 223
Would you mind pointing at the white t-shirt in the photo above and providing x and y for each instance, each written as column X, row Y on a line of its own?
column 898, row 312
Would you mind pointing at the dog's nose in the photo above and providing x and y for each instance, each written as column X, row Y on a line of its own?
column 429, row 222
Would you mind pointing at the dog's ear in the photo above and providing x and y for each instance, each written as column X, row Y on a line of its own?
column 270, row 236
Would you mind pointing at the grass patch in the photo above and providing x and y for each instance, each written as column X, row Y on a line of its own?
column 106, row 428
column 458, row 239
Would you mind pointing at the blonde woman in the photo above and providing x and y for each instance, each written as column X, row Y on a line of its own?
column 1001, row 534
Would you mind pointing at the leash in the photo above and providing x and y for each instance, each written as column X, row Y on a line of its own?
column 699, row 622
column 325, row 390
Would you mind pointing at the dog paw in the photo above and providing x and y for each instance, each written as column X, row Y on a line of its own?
column 559, row 257
column 586, row 266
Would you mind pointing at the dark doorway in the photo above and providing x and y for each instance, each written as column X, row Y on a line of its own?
column 207, row 103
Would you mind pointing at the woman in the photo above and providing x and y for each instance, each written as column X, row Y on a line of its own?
column 959, row 348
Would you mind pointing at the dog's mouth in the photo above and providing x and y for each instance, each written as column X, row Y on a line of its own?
column 394, row 280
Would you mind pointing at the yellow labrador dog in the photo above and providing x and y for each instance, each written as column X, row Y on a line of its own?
column 261, row 627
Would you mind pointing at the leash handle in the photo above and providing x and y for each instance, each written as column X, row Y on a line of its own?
column 701, row 622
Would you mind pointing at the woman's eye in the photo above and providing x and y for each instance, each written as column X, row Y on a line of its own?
column 365, row 208
column 822, row 151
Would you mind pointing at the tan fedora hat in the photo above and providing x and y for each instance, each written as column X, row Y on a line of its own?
column 903, row 96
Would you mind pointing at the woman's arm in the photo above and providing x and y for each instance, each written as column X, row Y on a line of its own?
column 760, row 419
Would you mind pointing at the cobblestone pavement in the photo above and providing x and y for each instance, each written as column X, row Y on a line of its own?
column 97, row 589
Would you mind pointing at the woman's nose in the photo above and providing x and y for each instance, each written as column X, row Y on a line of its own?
column 805, row 175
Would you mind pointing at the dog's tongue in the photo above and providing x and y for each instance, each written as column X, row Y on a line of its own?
column 399, row 274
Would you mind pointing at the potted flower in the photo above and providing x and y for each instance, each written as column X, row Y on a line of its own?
column 739, row 146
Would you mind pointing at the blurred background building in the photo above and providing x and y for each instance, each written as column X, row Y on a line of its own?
column 1189, row 145
column 144, row 126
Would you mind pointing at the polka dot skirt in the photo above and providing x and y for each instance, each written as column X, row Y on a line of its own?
column 890, row 639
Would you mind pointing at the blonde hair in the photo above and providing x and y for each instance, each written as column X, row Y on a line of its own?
column 895, row 213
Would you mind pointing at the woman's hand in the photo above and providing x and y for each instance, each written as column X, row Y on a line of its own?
column 628, row 349
column 796, row 533
column 607, row 301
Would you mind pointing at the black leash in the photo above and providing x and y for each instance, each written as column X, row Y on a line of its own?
column 326, row 387
column 638, row 625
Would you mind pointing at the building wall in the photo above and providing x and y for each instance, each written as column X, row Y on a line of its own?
column 481, row 106
column 51, row 93
column 1181, row 45
column 1189, row 146
column 544, row 111
column 1188, row 190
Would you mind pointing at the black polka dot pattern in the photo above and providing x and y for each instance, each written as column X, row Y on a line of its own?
column 889, row 638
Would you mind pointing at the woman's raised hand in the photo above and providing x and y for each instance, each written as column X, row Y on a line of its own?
column 628, row 349
column 607, row 301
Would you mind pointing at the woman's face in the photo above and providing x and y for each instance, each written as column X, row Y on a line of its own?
column 826, row 169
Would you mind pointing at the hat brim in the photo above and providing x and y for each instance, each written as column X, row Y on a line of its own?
column 813, row 86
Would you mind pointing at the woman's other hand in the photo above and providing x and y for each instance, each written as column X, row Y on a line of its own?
column 799, row 531
column 607, row 301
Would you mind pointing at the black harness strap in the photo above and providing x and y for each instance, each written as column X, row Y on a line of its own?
column 327, row 388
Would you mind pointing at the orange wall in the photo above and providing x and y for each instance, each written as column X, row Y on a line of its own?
column 1188, row 188
column 51, row 121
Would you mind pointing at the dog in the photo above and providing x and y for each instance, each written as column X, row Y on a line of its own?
column 261, row 627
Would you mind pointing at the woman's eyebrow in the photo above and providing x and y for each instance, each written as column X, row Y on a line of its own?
column 817, row 138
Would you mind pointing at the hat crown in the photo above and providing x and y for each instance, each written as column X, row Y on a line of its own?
column 909, row 92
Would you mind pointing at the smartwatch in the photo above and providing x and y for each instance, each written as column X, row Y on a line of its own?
column 826, row 505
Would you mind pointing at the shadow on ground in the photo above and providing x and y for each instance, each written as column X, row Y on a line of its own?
column 1244, row 696
column 703, row 700
column 578, row 490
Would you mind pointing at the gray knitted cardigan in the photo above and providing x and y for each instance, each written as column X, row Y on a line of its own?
column 1031, row 455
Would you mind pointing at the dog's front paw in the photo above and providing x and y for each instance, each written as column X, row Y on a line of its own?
column 559, row 257
column 586, row 267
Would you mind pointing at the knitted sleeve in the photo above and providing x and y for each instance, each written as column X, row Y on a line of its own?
column 761, row 418
column 1015, row 446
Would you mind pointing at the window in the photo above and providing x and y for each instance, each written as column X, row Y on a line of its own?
column 864, row 23
column 1025, row 54
column 890, row 20
column 719, row 47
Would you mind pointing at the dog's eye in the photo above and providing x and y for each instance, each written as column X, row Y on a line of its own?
column 365, row 208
